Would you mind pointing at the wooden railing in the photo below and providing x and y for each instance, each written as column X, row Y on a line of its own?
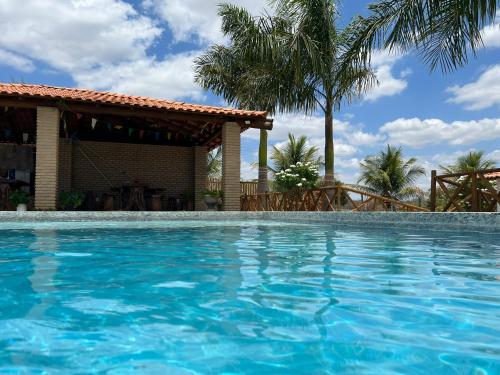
column 470, row 191
column 335, row 198
column 246, row 187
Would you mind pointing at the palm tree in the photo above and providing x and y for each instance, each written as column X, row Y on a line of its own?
column 441, row 31
column 390, row 175
column 293, row 61
column 214, row 163
column 295, row 150
column 470, row 162
column 473, row 161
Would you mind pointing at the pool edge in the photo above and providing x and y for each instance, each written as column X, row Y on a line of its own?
column 474, row 221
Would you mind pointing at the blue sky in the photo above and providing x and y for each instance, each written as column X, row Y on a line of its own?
column 147, row 48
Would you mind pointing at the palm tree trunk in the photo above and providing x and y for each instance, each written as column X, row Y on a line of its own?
column 329, row 152
column 262, row 182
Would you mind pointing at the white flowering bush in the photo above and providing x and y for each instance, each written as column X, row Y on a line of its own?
column 297, row 177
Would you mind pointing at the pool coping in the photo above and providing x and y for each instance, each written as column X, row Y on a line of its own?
column 473, row 221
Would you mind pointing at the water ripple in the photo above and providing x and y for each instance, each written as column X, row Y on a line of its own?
column 247, row 297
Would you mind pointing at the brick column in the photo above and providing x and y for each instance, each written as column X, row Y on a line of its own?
column 47, row 158
column 231, row 166
column 200, row 176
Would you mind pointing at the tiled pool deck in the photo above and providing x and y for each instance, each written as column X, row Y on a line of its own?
column 484, row 222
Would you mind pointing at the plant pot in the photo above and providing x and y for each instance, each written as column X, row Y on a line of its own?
column 211, row 202
column 21, row 207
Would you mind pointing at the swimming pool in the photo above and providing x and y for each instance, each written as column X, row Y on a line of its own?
column 191, row 297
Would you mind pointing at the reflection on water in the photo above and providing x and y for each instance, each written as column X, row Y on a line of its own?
column 248, row 297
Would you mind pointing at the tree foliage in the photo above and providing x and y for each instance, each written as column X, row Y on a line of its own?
column 444, row 32
column 296, row 150
column 388, row 174
column 470, row 162
column 295, row 60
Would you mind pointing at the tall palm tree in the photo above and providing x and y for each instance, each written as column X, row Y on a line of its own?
column 470, row 162
column 293, row 61
column 295, row 150
column 390, row 175
column 442, row 31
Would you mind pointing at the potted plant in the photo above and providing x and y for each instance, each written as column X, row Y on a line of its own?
column 212, row 198
column 20, row 199
column 71, row 200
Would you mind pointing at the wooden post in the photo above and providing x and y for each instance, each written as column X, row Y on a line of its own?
column 474, row 193
column 433, row 190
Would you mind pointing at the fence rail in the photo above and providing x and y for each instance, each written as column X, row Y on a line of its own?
column 246, row 187
column 334, row 198
column 458, row 192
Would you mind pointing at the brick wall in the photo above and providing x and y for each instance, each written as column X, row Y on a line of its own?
column 167, row 167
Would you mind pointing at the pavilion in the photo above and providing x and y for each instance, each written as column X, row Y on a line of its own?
column 66, row 139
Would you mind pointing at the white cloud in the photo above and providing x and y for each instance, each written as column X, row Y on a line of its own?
column 491, row 34
column 247, row 171
column 20, row 63
column 195, row 18
column 75, row 35
column 360, row 138
column 481, row 94
column 102, row 44
column 383, row 62
column 314, row 128
column 494, row 155
column 170, row 78
column 418, row 133
column 347, row 163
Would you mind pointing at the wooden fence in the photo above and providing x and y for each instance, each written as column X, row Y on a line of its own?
column 335, row 198
column 459, row 192
column 246, row 187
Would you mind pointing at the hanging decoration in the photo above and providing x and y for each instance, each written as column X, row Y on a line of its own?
column 169, row 135
column 141, row 134
column 130, row 131
column 157, row 136
column 79, row 116
column 5, row 109
column 93, row 123
column 108, row 125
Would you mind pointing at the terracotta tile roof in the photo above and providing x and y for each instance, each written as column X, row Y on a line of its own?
column 86, row 96
column 492, row 176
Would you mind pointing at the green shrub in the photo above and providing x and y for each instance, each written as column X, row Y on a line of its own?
column 213, row 193
column 19, row 197
column 71, row 200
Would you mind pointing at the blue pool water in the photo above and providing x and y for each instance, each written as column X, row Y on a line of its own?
column 254, row 297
